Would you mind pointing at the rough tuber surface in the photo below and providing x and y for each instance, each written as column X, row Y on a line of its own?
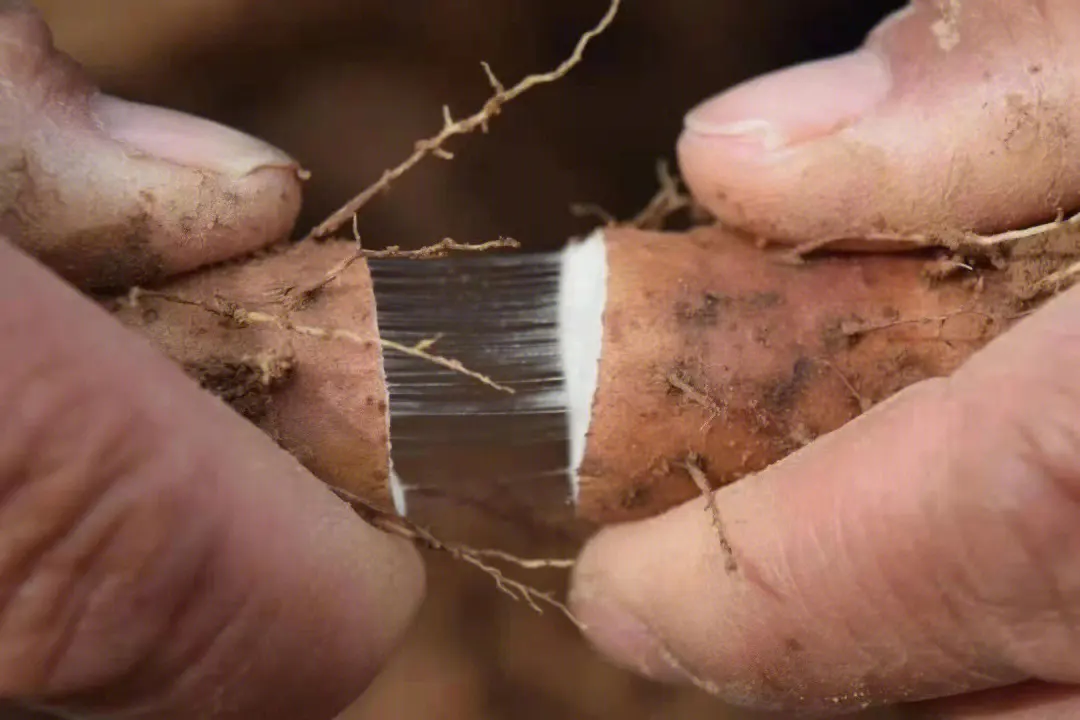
column 723, row 357
column 311, row 377
column 718, row 358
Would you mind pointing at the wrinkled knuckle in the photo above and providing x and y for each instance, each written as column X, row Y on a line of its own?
column 1036, row 401
column 90, row 548
column 1033, row 415
column 1020, row 407
column 1016, row 455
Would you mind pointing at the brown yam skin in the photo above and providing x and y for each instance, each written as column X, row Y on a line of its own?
column 775, row 355
column 323, row 400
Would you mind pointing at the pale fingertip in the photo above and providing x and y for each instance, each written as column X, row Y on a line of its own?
column 797, row 104
column 186, row 140
column 622, row 594
column 111, row 193
column 613, row 630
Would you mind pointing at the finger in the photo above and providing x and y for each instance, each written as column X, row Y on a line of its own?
column 953, row 116
column 111, row 193
column 926, row 549
column 160, row 557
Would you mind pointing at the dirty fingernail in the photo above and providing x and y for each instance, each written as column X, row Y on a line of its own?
column 794, row 105
column 185, row 139
column 625, row 640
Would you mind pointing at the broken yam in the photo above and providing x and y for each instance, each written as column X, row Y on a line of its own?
column 311, row 376
column 716, row 351
column 691, row 358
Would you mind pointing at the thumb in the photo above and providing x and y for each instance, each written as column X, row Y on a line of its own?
column 111, row 193
column 954, row 116
column 160, row 557
column 928, row 548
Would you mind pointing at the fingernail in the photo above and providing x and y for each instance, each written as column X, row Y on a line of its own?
column 794, row 105
column 185, row 139
column 626, row 641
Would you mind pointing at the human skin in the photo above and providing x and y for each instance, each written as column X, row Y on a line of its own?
column 926, row 550
column 925, row 555
column 159, row 556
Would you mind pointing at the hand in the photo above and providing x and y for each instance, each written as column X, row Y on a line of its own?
column 159, row 557
column 928, row 553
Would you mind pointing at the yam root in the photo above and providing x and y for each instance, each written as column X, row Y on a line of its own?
column 311, row 377
column 715, row 350
column 715, row 358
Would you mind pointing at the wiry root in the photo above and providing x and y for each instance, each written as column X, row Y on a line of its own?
column 519, row 591
column 1058, row 281
column 712, row 408
column 669, row 199
column 234, row 313
column 298, row 298
column 964, row 246
column 453, row 128
column 697, row 474
column 961, row 242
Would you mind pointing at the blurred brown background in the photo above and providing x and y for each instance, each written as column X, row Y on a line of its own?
column 347, row 86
